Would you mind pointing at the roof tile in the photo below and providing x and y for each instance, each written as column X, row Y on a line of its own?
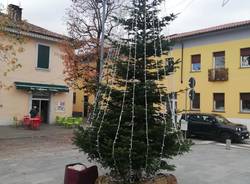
column 210, row 30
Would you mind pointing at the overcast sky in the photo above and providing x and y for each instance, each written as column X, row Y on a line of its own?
column 194, row 14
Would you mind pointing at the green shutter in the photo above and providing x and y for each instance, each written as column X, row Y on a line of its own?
column 43, row 56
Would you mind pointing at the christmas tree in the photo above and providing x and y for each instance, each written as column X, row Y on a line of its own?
column 131, row 134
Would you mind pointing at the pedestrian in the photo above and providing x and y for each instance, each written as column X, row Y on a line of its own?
column 33, row 112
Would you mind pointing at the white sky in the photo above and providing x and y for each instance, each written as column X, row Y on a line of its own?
column 195, row 14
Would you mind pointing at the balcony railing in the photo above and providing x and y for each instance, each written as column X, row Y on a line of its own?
column 218, row 74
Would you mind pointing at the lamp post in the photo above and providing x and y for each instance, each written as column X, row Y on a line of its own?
column 104, row 3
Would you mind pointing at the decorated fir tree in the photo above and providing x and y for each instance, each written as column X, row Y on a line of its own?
column 131, row 132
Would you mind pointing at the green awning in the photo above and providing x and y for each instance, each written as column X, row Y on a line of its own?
column 41, row 87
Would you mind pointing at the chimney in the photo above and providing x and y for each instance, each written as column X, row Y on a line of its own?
column 14, row 12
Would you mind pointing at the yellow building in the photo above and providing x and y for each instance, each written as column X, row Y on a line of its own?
column 219, row 60
column 40, row 81
column 81, row 102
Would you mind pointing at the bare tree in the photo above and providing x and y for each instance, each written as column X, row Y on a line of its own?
column 84, row 23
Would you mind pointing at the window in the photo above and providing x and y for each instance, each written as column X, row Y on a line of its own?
column 195, row 104
column 219, row 59
column 74, row 98
column 245, row 57
column 86, row 105
column 43, row 56
column 196, row 62
column 219, row 102
column 245, row 102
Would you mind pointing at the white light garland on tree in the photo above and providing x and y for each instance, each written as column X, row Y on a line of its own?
column 123, row 99
column 107, row 104
column 133, row 100
column 145, row 81
column 104, row 96
column 158, row 79
column 97, row 96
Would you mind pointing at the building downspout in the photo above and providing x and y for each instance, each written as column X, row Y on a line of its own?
column 182, row 53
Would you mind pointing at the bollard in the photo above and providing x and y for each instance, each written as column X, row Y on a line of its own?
column 228, row 144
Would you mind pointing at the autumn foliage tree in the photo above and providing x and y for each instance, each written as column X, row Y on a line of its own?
column 79, row 70
column 10, row 47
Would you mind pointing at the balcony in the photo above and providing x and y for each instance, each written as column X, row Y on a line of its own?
column 218, row 74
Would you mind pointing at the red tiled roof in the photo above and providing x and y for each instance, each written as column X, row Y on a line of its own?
column 39, row 31
column 210, row 30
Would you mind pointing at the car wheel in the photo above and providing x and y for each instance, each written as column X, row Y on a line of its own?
column 224, row 136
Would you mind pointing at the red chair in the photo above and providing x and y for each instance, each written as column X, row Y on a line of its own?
column 26, row 121
column 35, row 122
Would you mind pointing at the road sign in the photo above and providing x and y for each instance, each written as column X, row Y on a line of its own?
column 184, row 125
column 191, row 82
column 191, row 94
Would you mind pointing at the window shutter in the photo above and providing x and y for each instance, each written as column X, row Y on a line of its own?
column 218, row 96
column 245, row 52
column 196, row 58
column 219, row 54
column 245, row 96
column 43, row 56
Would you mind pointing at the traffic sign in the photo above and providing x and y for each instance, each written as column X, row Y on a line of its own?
column 184, row 125
column 191, row 82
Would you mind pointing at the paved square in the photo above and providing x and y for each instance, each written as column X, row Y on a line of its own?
column 39, row 157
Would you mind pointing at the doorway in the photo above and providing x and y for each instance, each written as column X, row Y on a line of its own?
column 42, row 102
column 43, row 109
column 85, row 106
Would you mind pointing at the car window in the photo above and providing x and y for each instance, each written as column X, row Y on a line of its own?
column 195, row 117
column 222, row 120
column 208, row 118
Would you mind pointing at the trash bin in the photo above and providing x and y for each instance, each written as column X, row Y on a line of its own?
column 78, row 173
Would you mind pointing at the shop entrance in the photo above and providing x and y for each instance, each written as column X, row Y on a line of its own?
column 42, row 101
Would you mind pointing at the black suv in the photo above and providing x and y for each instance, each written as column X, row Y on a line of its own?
column 214, row 126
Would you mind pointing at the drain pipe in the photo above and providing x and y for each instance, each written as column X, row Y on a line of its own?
column 182, row 55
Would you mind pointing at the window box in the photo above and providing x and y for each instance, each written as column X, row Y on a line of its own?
column 218, row 74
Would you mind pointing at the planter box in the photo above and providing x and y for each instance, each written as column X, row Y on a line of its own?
column 85, row 176
column 161, row 179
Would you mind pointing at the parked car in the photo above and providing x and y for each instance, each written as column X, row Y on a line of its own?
column 214, row 126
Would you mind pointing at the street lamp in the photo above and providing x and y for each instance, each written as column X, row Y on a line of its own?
column 104, row 4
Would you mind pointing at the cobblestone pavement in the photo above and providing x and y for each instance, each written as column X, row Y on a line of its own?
column 39, row 157
column 210, row 163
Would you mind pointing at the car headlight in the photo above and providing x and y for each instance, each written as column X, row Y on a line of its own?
column 238, row 129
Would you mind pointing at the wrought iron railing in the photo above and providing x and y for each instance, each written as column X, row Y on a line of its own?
column 218, row 74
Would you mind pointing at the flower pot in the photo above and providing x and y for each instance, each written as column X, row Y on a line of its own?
column 80, row 176
column 160, row 179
